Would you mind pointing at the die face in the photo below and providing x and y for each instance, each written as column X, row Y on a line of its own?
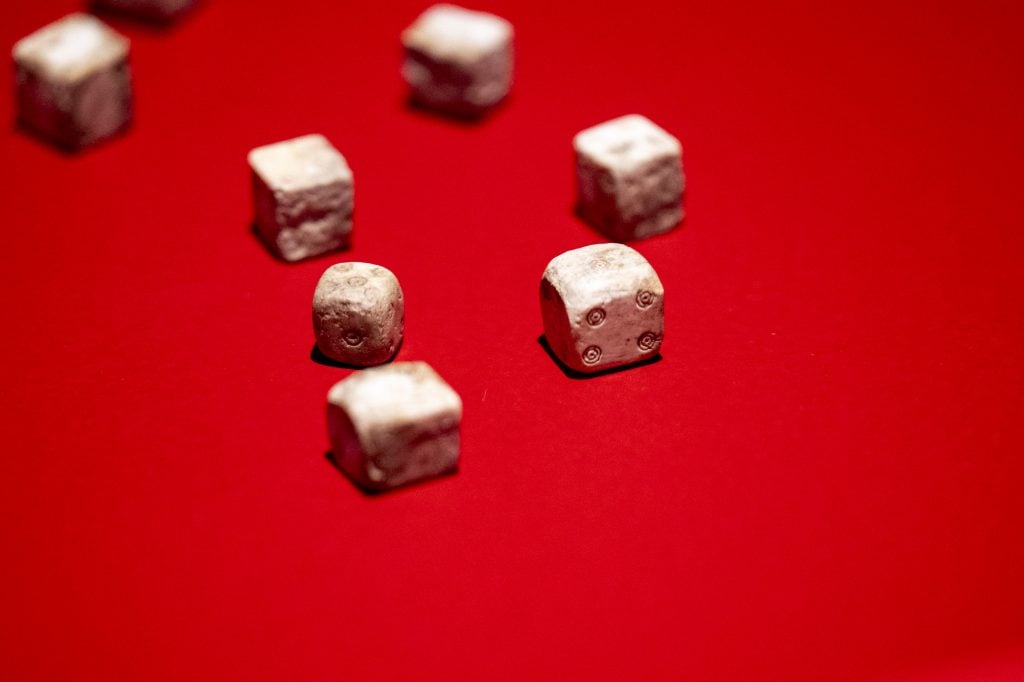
column 73, row 82
column 629, row 178
column 394, row 425
column 71, row 49
column 358, row 314
column 458, row 61
column 603, row 307
column 303, row 197
column 299, row 164
column 448, row 33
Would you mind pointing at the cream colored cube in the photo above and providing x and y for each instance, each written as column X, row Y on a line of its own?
column 394, row 425
column 156, row 10
column 629, row 178
column 303, row 195
column 603, row 306
column 457, row 60
column 73, row 82
column 358, row 314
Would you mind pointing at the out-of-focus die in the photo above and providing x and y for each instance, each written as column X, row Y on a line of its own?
column 394, row 425
column 629, row 178
column 603, row 306
column 358, row 314
column 303, row 195
column 153, row 10
column 73, row 81
column 458, row 61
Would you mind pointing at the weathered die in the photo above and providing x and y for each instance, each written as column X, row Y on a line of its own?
column 303, row 197
column 394, row 425
column 458, row 61
column 358, row 314
column 603, row 306
column 73, row 82
column 629, row 178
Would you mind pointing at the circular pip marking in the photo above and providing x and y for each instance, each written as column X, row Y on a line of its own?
column 591, row 355
column 353, row 338
column 645, row 299
column 598, row 264
column 357, row 281
column 647, row 341
column 595, row 317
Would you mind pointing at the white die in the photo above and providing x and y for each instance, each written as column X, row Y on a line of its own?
column 158, row 10
column 73, row 82
column 603, row 306
column 358, row 314
column 394, row 425
column 303, row 196
column 629, row 178
column 458, row 61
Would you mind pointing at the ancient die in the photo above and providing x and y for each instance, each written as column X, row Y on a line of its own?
column 629, row 178
column 394, row 425
column 73, row 82
column 603, row 306
column 458, row 61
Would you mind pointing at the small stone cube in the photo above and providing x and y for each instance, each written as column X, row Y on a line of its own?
column 603, row 306
column 629, row 178
column 394, row 425
column 458, row 61
column 151, row 10
column 73, row 82
column 303, row 195
column 358, row 314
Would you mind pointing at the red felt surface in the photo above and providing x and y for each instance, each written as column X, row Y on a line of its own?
column 821, row 480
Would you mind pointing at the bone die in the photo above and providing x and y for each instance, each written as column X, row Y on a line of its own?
column 394, row 425
column 73, row 82
column 629, row 178
column 358, row 314
column 303, row 197
column 602, row 307
column 458, row 61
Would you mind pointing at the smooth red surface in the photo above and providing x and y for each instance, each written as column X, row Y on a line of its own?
column 821, row 480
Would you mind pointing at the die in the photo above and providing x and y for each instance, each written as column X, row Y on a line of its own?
column 629, row 178
column 303, row 197
column 73, row 82
column 458, row 61
column 358, row 314
column 393, row 425
column 153, row 10
column 603, row 307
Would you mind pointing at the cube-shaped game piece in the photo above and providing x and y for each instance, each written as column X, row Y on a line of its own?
column 358, row 314
column 394, row 425
column 629, row 178
column 458, row 61
column 150, row 10
column 603, row 306
column 74, row 85
column 303, row 196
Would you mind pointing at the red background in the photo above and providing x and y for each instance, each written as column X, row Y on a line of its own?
column 821, row 480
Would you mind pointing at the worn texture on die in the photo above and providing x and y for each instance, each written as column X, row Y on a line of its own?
column 457, row 60
column 603, row 307
column 394, row 425
column 629, row 178
column 303, row 197
column 358, row 314
column 154, row 10
column 73, row 81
